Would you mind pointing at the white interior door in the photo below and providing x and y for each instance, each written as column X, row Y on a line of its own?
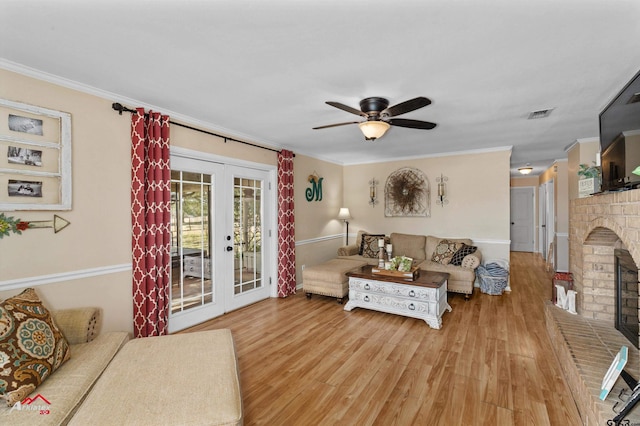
column 522, row 219
column 221, row 241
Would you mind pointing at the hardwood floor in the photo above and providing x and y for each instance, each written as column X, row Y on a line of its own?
column 309, row 362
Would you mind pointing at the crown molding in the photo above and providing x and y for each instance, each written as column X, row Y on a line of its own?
column 114, row 97
column 437, row 155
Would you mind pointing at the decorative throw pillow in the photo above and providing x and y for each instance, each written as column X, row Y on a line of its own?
column 31, row 346
column 462, row 253
column 444, row 251
column 369, row 246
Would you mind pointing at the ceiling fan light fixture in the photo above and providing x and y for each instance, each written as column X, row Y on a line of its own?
column 373, row 129
column 525, row 170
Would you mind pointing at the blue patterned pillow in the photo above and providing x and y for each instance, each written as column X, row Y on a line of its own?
column 461, row 254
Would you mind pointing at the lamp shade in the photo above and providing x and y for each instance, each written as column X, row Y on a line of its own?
column 373, row 129
column 344, row 213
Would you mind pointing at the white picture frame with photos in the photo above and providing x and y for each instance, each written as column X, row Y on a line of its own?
column 35, row 158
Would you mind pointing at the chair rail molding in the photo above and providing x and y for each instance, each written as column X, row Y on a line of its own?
column 63, row 276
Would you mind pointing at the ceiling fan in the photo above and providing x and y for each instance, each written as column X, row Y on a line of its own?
column 379, row 115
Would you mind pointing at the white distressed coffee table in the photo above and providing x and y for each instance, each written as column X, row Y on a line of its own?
column 424, row 298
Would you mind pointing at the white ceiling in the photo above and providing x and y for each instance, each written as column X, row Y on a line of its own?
column 263, row 69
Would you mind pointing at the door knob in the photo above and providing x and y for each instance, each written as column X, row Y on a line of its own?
column 229, row 248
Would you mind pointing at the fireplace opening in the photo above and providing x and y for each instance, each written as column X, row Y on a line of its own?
column 626, row 279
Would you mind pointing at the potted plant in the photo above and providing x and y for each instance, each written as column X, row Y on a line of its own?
column 588, row 179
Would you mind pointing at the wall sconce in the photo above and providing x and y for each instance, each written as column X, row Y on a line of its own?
column 442, row 190
column 373, row 196
column 344, row 215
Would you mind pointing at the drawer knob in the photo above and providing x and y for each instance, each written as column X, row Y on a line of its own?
column 367, row 286
column 412, row 307
column 365, row 298
column 412, row 293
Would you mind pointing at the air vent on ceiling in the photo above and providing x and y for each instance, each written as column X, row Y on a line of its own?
column 540, row 114
column 634, row 98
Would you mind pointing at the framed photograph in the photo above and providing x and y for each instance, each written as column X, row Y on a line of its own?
column 35, row 158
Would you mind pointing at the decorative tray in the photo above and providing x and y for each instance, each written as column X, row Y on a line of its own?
column 407, row 275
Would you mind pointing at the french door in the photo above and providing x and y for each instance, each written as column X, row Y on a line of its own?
column 220, row 239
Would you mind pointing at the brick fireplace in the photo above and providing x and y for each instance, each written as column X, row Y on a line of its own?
column 600, row 227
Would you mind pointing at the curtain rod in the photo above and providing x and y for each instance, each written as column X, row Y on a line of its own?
column 120, row 108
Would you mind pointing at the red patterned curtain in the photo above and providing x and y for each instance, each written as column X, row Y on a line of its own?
column 150, row 220
column 286, row 226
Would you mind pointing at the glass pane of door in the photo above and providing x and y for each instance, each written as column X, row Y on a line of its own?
column 247, row 235
column 191, row 271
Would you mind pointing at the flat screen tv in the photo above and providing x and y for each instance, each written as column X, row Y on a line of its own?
column 620, row 139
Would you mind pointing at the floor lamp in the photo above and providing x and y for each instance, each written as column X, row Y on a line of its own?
column 345, row 216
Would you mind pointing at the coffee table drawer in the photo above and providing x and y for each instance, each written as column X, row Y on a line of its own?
column 395, row 305
column 400, row 290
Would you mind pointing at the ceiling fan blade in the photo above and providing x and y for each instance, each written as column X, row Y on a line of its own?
column 346, row 108
column 412, row 124
column 406, row 106
column 335, row 125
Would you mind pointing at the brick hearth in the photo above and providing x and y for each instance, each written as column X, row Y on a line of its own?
column 587, row 343
column 585, row 348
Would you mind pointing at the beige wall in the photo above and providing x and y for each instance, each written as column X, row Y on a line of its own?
column 632, row 146
column 197, row 141
column 559, row 174
column 318, row 232
column 525, row 181
column 477, row 190
column 477, row 208
column 562, row 198
column 89, row 262
column 98, row 238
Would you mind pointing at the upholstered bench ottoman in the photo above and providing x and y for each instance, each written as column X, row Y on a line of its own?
column 181, row 379
column 329, row 278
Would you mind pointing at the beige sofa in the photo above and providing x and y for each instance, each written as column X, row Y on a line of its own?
column 329, row 278
column 421, row 248
column 110, row 379
column 67, row 387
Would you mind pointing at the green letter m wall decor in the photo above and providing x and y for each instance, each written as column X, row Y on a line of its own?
column 315, row 192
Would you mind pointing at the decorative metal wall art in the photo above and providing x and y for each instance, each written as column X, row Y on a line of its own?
column 10, row 225
column 406, row 193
